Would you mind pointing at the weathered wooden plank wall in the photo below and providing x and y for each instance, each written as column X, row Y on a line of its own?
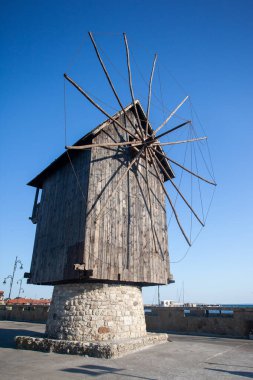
column 60, row 229
column 121, row 244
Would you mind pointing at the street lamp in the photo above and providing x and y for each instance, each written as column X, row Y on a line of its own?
column 6, row 278
column 21, row 290
column 17, row 261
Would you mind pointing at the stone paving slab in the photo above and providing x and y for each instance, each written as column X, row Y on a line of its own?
column 105, row 349
column 185, row 358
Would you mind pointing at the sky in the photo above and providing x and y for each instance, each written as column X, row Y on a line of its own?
column 204, row 50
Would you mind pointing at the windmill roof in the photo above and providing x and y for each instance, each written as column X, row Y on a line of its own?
column 63, row 158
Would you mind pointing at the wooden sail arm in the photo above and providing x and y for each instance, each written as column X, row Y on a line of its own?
column 171, row 114
column 104, row 145
column 149, row 92
column 173, row 129
column 179, row 192
column 131, row 85
column 168, row 197
column 178, row 142
column 119, row 182
column 110, row 83
column 97, row 106
column 184, row 168
column 150, row 203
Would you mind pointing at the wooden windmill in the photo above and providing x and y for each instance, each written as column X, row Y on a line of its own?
column 102, row 213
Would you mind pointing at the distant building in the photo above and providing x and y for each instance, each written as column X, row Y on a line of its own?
column 170, row 303
column 28, row 301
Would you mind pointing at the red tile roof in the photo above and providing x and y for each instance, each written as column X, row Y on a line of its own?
column 28, row 301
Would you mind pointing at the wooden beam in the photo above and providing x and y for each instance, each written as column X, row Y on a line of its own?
column 178, row 142
column 171, row 114
column 179, row 192
column 149, row 92
column 96, row 105
column 168, row 197
column 103, row 145
column 149, row 198
column 131, row 85
column 110, row 83
column 173, row 129
column 184, row 168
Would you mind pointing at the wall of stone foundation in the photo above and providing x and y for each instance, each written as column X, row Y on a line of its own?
column 96, row 312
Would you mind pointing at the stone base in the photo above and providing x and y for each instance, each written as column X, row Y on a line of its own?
column 105, row 349
column 93, row 312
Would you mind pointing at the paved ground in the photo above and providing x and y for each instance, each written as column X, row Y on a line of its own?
column 186, row 357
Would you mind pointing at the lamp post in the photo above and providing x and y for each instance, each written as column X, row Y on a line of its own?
column 21, row 290
column 17, row 261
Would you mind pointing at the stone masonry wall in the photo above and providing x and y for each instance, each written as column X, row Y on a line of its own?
column 173, row 319
column 96, row 312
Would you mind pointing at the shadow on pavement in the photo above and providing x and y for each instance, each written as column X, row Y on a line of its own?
column 7, row 336
column 98, row 370
column 236, row 373
column 228, row 365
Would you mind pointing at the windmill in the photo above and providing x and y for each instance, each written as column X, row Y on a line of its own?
column 102, row 221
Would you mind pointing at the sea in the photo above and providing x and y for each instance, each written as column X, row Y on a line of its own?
column 238, row 305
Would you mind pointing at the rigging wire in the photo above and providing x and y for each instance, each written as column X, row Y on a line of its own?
column 199, row 186
column 180, row 181
column 165, row 68
column 154, row 93
column 194, row 240
column 191, row 189
column 111, row 62
column 193, row 110
column 161, row 93
column 199, row 148
column 65, row 113
column 76, row 54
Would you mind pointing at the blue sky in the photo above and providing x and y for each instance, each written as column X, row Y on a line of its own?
column 204, row 50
